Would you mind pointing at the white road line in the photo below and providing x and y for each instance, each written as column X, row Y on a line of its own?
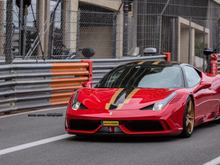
column 43, row 110
column 215, row 161
column 34, row 144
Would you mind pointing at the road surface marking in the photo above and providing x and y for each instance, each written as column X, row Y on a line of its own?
column 34, row 144
column 215, row 161
column 24, row 113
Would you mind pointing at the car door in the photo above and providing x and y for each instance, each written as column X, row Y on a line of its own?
column 205, row 105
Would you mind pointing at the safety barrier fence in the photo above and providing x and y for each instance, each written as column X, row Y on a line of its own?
column 27, row 85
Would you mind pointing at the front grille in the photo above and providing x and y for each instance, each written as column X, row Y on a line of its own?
column 143, row 126
column 83, row 125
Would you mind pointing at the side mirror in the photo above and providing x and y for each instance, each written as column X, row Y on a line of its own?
column 205, row 85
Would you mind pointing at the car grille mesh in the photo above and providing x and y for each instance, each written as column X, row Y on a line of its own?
column 84, row 125
column 143, row 126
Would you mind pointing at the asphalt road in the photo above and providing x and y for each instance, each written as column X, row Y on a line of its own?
column 202, row 147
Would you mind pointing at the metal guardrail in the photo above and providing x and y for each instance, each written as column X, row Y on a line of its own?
column 29, row 86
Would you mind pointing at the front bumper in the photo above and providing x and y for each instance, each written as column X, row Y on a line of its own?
column 139, row 123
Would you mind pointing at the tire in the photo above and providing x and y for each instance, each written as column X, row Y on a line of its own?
column 188, row 119
column 218, row 121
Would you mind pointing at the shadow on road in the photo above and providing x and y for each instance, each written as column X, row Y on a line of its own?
column 122, row 139
column 142, row 139
column 208, row 125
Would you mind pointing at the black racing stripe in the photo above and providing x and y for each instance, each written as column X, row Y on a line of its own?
column 120, row 99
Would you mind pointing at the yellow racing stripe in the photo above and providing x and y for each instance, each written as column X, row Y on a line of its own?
column 107, row 106
column 128, row 99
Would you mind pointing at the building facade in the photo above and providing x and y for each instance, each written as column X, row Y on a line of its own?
column 184, row 27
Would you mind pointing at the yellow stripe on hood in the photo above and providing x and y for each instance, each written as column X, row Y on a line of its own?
column 128, row 99
column 107, row 106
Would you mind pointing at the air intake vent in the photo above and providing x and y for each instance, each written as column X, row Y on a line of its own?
column 83, row 125
column 143, row 126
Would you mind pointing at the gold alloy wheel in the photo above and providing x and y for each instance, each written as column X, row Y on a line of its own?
column 190, row 118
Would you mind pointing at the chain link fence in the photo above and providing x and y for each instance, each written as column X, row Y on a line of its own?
column 183, row 27
column 2, row 27
column 60, row 29
column 90, row 27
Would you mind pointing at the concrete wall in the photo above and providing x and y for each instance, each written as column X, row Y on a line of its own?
column 184, row 45
column 119, row 34
column 70, row 18
column 43, row 18
column 132, row 30
column 105, row 49
column 187, row 36
column 99, row 38
column 108, row 4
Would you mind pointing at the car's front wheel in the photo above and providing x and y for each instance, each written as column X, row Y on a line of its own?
column 188, row 119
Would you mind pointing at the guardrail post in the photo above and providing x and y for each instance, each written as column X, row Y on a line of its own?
column 168, row 56
column 214, row 64
column 90, row 62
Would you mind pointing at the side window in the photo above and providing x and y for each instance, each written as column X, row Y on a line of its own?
column 192, row 76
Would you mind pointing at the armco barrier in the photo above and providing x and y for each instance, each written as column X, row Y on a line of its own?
column 29, row 86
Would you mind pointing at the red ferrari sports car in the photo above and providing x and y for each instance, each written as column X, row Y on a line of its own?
column 146, row 98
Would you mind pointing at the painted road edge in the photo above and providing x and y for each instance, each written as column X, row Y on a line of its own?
column 34, row 144
column 215, row 161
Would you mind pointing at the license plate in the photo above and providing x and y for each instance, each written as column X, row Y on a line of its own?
column 110, row 123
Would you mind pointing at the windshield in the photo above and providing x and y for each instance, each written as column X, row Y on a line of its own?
column 143, row 76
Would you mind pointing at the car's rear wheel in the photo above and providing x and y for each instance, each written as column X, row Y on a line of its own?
column 188, row 119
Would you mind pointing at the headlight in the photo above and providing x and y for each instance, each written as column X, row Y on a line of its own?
column 76, row 104
column 160, row 105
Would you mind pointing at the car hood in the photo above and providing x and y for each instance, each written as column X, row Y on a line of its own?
column 100, row 99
